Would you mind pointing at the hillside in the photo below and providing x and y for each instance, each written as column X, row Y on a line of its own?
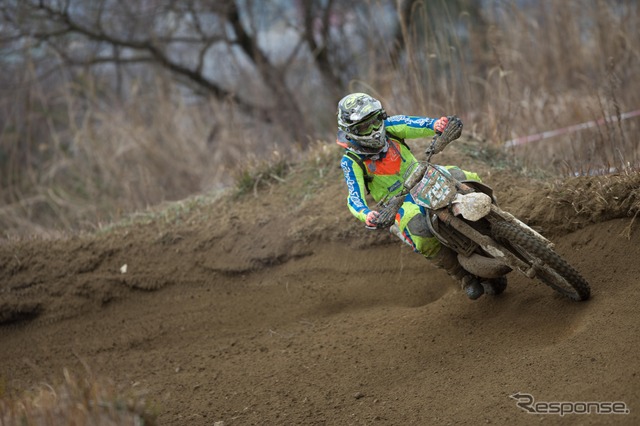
column 275, row 307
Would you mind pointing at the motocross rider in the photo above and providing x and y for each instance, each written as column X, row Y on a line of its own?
column 375, row 161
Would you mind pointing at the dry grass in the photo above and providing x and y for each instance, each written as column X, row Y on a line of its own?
column 75, row 401
column 602, row 197
column 308, row 169
column 570, row 204
column 523, row 71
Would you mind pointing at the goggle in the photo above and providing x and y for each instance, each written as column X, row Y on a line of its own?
column 369, row 125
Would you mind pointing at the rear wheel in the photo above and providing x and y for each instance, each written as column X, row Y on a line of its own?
column 550, row 268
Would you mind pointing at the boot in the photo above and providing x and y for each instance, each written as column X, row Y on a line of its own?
column 472, row 287
column 495, row 286
column 447, row 259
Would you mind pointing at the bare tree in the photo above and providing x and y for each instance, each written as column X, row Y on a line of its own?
column 189, row 39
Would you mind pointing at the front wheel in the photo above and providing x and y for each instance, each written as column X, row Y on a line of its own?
column 550, row 268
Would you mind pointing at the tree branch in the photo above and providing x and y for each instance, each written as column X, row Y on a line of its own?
column 156, row 54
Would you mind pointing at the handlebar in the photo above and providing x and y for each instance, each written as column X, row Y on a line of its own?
column 389, row 208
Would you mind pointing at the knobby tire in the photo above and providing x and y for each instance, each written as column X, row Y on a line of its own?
column 554, row 271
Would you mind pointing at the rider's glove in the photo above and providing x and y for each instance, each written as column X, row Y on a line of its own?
column 371, row 218
column 440, row 124
column 451, row 132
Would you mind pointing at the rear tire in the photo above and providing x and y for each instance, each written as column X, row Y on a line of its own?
column 550, row 268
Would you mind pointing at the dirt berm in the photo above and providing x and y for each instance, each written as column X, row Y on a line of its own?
column 277, row 307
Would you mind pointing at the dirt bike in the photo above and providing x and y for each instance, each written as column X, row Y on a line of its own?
column 465, row 217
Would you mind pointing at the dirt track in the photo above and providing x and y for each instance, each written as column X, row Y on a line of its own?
column 281, row 310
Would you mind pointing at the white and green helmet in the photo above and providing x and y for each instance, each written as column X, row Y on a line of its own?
column 361, row 117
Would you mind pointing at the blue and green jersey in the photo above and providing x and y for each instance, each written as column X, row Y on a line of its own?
column 388, row 168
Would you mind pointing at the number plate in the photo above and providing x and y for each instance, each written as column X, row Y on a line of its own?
column 435, row 190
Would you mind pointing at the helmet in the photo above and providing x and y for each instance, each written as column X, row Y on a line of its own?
column 362, row 117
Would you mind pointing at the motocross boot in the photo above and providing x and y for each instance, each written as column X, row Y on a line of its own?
column 472, row 287
column 495, row 286
column 448, row 260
